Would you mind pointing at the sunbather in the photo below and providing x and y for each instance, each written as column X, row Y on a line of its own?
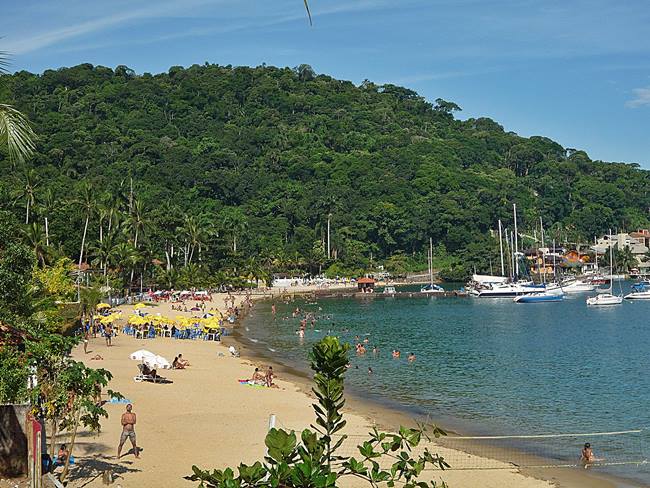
column 258, row 378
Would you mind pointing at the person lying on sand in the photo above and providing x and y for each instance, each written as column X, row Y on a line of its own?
column 96, row 357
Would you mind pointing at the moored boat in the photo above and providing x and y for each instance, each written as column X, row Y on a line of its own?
column 605, row 299
column 541, row 297
column 578, row 286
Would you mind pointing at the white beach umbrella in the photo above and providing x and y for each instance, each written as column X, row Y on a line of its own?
column 157, row 362
column 141, row 354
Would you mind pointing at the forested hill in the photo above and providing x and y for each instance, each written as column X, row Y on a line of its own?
column 233, row 162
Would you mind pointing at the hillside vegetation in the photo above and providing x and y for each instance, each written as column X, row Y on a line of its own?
column 220, row 169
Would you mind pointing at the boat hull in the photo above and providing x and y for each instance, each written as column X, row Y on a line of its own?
column 604, row 300
column 539, row 298
column 639, row 295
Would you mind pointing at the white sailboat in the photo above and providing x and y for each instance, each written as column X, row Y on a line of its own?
column 578, row 286
column 431, row 288
column 607, row 298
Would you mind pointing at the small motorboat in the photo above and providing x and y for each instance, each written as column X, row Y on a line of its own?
column 541, row 297
column 640, row 291
column 638, row 295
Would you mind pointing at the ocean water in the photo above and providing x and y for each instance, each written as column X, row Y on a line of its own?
column 490, row 366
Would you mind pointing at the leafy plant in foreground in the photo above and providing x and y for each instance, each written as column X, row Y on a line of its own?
column 312, row 460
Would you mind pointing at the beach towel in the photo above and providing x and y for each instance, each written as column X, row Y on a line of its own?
column 119, row 401
column 249, row 383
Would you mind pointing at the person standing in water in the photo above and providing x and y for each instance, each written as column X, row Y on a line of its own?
column 128, row 431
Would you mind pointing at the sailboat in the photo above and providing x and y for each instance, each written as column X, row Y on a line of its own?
column 550, row 293
column 607, row 298
column 431, row 287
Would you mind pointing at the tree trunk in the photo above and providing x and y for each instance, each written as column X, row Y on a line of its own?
column 27, row 212
column 83, row 242
column 53, row 437
column 73, row 435
column 234, row 243
column 47, row 233
column 168, row 264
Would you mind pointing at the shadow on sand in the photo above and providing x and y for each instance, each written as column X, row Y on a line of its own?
column 88, row 469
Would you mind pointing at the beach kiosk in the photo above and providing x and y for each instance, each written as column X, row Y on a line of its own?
column 366, row 285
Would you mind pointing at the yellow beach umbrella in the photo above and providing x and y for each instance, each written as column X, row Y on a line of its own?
column 101, row 306
column 138, row 306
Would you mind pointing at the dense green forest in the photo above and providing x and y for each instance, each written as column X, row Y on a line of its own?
column 210, row 172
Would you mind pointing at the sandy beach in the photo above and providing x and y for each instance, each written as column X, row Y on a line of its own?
column 207, row 418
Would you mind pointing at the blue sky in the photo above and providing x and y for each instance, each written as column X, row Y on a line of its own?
column 577, row 71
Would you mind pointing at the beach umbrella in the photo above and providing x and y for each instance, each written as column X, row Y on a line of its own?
column 101, row 306
column 141, row 355
column 157, row 362
column 195, row 309
column 207, row 315
column 138, row 306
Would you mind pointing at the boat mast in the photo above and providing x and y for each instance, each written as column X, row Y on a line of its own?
column 541, row 231
column 611, row 264
column 515, row 273
column 503, row 272
column 431, row 261
column 516, row 242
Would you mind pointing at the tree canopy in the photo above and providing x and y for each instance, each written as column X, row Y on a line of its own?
column 211, row 165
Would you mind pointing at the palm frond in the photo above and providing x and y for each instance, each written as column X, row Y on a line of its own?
column 308, row 12
column 16, row 133
column 4, row 62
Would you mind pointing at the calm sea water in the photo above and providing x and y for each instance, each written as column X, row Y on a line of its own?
column 488, row 366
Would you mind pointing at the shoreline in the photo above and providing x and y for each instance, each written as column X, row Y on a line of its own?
column 210, row 420
column 389, row 415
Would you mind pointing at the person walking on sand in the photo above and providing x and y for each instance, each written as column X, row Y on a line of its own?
column 108, row 333
column 128, row 431
column 86, row 337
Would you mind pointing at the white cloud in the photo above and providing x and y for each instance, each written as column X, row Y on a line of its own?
column 641, row 98
column 54, row 36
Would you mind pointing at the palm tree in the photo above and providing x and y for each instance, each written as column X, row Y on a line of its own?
column 625, row 259
column 104, row 252
column 35, row 238
column 48, row 205
column 90, row 298
column 15, row 131
column 28, row 184
column 87, row 202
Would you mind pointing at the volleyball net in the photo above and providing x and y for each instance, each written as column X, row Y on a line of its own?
column 614, row 448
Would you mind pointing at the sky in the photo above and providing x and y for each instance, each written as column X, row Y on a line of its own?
column 577, row 71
